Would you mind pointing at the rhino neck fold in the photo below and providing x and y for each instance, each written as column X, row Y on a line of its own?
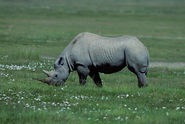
column 69, row 62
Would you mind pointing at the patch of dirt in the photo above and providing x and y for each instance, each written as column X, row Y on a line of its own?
column 167, row 64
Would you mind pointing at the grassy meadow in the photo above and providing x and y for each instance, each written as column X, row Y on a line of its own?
column 33, row 33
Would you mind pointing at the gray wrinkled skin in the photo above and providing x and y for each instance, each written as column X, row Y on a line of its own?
column 89, row 54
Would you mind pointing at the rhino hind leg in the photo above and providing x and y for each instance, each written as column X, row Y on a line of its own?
column 141, row 79
column 141, row 75
column 82, row 73
column 96, row 78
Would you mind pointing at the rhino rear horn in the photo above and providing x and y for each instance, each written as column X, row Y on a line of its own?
column 48, row 73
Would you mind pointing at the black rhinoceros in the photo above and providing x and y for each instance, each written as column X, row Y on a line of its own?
column 90, row 54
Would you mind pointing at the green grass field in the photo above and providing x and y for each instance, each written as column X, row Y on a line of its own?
column 33, row 33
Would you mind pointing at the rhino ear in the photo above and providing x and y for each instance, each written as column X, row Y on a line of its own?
column 60, row 61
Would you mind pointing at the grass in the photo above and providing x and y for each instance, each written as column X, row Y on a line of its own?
column 120, row 100
column 33, row 33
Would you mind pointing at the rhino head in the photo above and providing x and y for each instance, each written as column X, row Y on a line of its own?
column 59, row 75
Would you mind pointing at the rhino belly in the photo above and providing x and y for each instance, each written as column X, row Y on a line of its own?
column 110, row 67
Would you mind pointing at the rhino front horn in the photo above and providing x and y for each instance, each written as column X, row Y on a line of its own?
column 43, row 80
column 48, row 73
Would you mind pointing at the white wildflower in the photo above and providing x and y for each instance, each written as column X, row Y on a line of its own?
column 126, row 118
column 127, row 95
column 167, row 113
column 177, row 108
column 118, row 118
column 163, row 107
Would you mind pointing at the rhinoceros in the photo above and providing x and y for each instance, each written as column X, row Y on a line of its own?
column 89, row 54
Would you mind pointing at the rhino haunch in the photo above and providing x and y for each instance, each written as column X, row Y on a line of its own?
column 90, row 54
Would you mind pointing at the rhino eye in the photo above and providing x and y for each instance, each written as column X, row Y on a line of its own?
column 56, row 75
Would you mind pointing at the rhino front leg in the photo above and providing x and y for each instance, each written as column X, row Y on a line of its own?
column 96, row 78
column 82, row 73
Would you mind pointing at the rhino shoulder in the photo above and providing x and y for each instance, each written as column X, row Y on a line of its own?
column 84, row 38
column 79, row 36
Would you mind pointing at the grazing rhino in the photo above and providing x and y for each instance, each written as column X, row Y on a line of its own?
column 90, row 54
